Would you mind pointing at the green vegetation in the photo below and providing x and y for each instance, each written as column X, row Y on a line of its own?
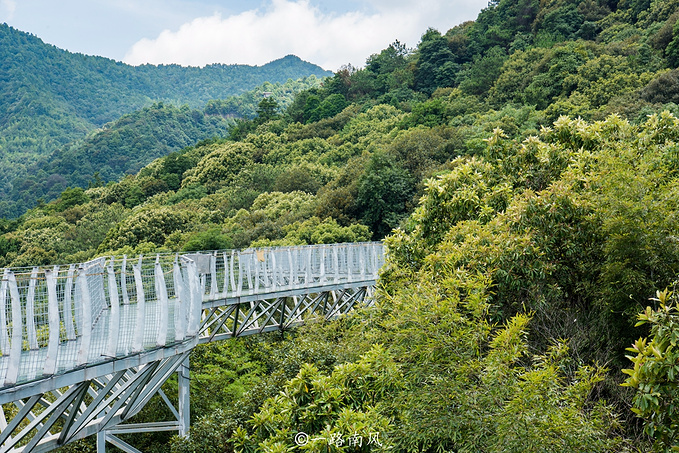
column 50, row 99
column 134, row 140
column 655, row 372
column 523, row 171
column 515, row 280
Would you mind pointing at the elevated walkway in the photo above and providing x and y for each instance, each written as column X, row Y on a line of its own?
column 84, row 347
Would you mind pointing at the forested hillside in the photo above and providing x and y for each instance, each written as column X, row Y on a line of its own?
column 50, row 97
column 522, row 169
column 126, row 145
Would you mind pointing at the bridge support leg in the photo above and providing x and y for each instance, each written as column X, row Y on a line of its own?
column 183, row 382
column 181, row 413
column 101, row 442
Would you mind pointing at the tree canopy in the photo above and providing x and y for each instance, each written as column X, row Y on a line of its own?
column 522, row 170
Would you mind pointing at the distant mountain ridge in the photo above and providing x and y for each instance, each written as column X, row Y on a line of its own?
column 50, row 97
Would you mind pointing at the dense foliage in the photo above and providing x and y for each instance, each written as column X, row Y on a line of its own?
column 655, row 372
column 523, row 169
column 519, row 274
column 126, row 145
column 50, row 97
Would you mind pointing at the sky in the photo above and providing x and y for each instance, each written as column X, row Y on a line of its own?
column 199, row 32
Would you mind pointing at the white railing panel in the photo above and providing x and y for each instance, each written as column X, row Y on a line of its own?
column 31, row 333
column 180, row 317
column 114, row 318
column 16, row 346
column 53, row 320
column 53, row 312
column 163, row 302
column 83, row 316
column 138, row 340
column 5, row 307
column 69, row 324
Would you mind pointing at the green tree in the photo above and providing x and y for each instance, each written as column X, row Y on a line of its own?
column 655, row 373
column 384, row 194
column 672, row 49
column 149, row 224
column 212, row 239
column 316, row 412
column 71, row 197
column 221, row 166
column 267, row 110
column 432, row 54
column 480, row 75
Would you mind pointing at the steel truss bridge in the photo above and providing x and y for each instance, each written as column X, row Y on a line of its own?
column 84, row 347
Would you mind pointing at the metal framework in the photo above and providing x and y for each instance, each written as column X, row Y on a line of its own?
column 84, row 347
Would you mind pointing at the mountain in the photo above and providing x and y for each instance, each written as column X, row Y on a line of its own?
column 50, row 97
column 127, row 144
column 523, row 169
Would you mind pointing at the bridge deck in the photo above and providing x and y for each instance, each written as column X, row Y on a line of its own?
column 58, row 319
column 32, row 362
column 116, row 330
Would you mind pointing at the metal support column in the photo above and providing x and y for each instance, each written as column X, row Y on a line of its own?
column 101, row 442
column 183, row 382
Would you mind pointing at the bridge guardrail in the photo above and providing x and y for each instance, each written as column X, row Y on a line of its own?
column 55, row 319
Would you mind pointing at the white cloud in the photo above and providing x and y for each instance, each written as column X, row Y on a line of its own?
column 7, row 8
column 297, row 27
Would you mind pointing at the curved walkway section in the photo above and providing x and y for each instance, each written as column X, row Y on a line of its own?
column 85, row 346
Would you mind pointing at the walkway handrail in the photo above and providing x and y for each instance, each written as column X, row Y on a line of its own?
column 60, row 318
